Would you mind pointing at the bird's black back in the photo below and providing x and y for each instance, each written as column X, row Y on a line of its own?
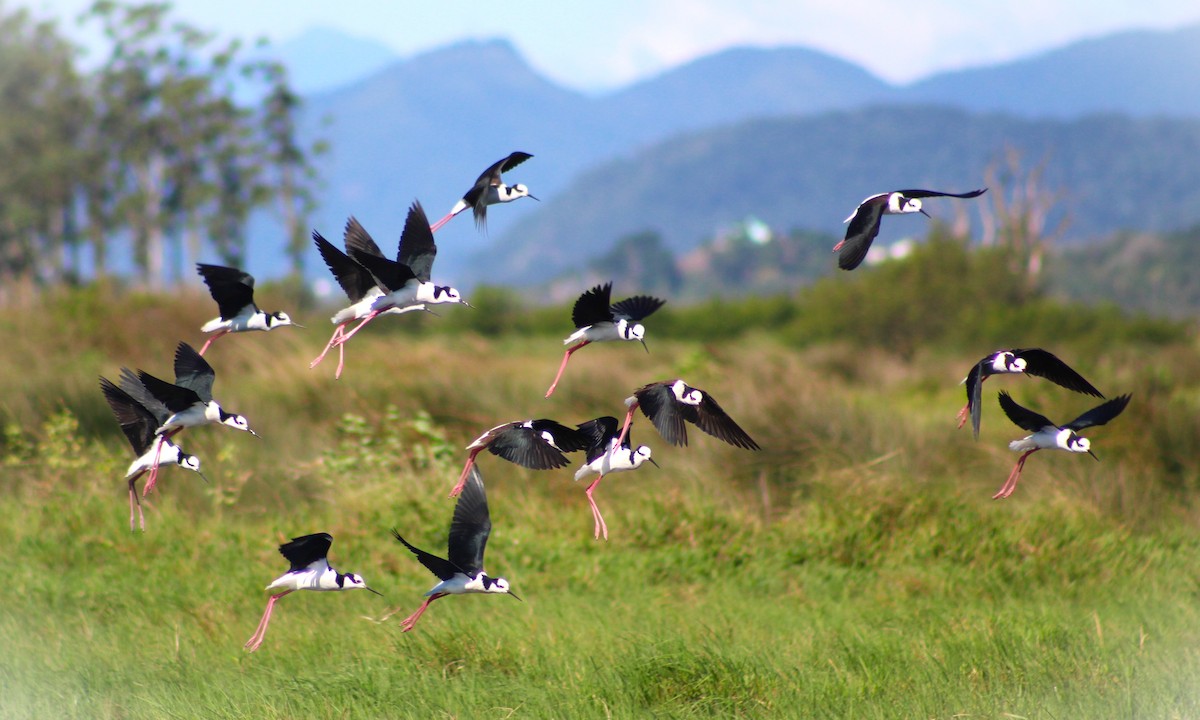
column 668, row 415
column 471, row 525
column 233, row 289
column 192, row 371
column 389, row 274
column 131, row 384
column 417, row 248
column 136, row 421
column 567, row 439
column 353, row 278
column 306, row 549
column 593, row 306
column 174, row 397
column 600, row 433
column 525, row 447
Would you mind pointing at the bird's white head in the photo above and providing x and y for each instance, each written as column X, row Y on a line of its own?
column 631, row 330
column 497, row 585
column 1014, row 364
column 519, row 191
column 279, row 319
column 641, row 455
column 910, row 205
column 686, row 395
column 439, row 294
column 191, row 462
column 1072, row 442
column 350, row 581
column 237, row 422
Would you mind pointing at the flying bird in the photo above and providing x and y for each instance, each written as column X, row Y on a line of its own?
column 671, row 404
column 360, row 287
column 139, row 423
column 608, row 454
column 489, row 189
column 598, row 319
column 189, row 400
column 1030, row 361
column 405, row 281
column 865, row 220
column 1048, row 436
column 462, row 572
column 233, row 290
column 309, row 570
column 535, row 444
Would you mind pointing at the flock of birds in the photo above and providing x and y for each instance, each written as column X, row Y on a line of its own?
column 152, row 411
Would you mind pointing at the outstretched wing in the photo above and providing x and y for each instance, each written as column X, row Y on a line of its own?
column 567, row 439
column 526, row 447
column 136, row 422
column 388, row 274
column 134, row 387
column 636, row 307
column 658, row 403
column 417, row 247
column 306, row 550
column 193, row 372
column 233, row 289
column 1046, row 365
column 1100, row 414
column 471, row 525
column 600, row 433
column 918, row 193
column 864, row 226
column 716, row 422
column 174, row 397
column 443, row 569
column 353, row 278
column 974, row 383
column 1023, row 417
column 593, row 306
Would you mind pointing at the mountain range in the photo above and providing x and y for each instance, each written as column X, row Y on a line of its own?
column 425, row 126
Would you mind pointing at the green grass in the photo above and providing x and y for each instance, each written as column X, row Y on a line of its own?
column 856, row 567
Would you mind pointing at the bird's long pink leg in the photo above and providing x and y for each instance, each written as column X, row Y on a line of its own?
column 337, row 374
column 628, row 422
column 1011, row 484
column 563, row 367
column 210, row 340
column 337, row 332
column 153, row 479
column 410, row 622
column 438, row 225
column 462, row 479
column 370, row 316
column 133, row 498
column 601, row 526
column 257, row 638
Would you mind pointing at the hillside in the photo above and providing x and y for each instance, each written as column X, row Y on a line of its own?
column 811, row 172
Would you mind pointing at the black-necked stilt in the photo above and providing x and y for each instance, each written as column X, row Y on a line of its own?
column 1031, row 361
column 865, row 220
column 1048, row 436
column 463, row 572
column 535, row 444
column 670, row 404
column 233, row 290
column 360, row 287
column 405, row 280
column 139, row 422
column 608, row 454
column 597, row 319
column 489, row 189
column 310, row 570
column 189, row 399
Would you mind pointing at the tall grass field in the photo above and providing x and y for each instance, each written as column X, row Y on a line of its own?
column 855, row 567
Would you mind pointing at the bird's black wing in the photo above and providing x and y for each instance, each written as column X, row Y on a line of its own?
column 600, row 433
column 526, row 447
column 636, row 307
column 136, row 422
column 233, row 289
column 134, row 387
column 443, row 569
column 864, row 226
column 417, row 247
column 388, row 274
column 593, row 306
column 306, row 549
column 471, row 525
column 1100, row 414
column 659, row 404
column 567, row 439
column 174, row 397
column 1023, row 417
column 353, row 278
column 1046, row 365
column 974, row 383
column 918, row 193
column 716, row 422
column 514, row 159
column 192, row 371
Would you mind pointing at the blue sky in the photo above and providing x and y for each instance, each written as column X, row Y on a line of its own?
column 599, row 45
